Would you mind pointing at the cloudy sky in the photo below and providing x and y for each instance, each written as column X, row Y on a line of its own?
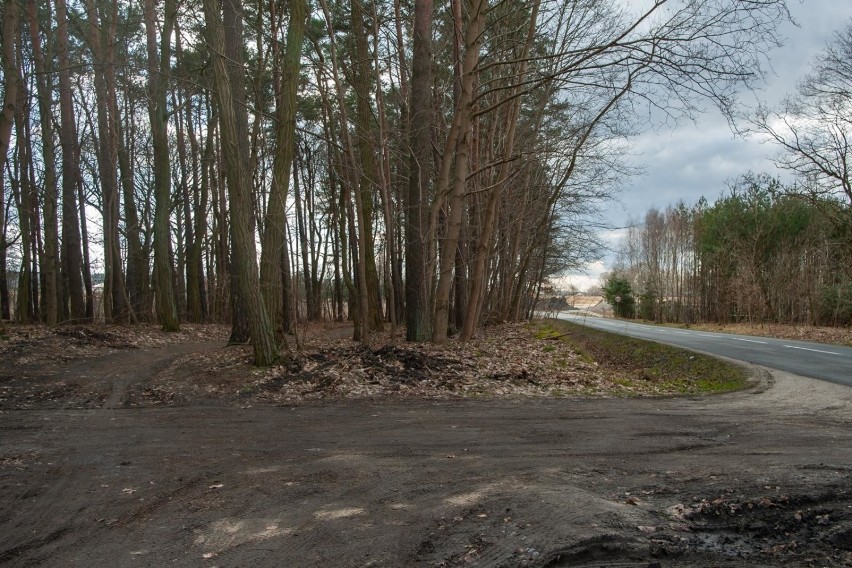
column 697, row 159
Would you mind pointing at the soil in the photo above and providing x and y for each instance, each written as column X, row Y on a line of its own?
column 121, row 451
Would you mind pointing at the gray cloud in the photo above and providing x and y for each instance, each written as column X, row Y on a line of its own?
column 698, row 159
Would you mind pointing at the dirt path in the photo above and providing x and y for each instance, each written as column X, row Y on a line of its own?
column 756, row 478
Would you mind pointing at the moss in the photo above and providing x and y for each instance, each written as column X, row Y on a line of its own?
column 247, row 391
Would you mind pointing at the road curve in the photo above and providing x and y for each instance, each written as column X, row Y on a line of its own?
column 817, row 360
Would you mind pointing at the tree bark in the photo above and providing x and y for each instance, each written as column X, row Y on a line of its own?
column 274, row 233
column 50, row 267
column 101, row 36
column 10, row 77
column 420, row 176
column 369, row 173
column 462, row 125
column 72, row 258
column 158, row 64
column 7, row 119
column 234, row 141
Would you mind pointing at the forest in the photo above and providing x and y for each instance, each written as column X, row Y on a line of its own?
column 395, row 163
column 767, row 250
column 761, row 253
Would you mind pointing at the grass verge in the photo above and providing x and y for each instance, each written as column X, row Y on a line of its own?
column 640, row 364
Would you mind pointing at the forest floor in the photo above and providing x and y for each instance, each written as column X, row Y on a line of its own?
column 534, row 445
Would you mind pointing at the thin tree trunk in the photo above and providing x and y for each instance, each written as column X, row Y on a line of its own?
column 483, row 245
column 50, row 267
column 101, row 36
column 395, row 279
column 88, row 287
column 158, row 64
column 367, row 160
column 274, row 234
column 196, row 282
column 138, row 276
column 462, row 124
column 72, row 258
column 19, row 182
column 360, row 213
column 301, row 231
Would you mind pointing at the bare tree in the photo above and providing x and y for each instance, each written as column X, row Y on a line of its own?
column 813, row 127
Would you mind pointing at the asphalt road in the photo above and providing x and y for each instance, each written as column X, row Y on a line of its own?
column 817, row 360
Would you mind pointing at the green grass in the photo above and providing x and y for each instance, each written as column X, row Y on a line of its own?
column 645, row 365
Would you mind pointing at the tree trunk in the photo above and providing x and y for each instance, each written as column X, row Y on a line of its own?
column 274, row 234
column 362, row 331
column 483, row 245
column 301, row 231
column 196, row 282
column 234, row 134
column 158, row 65
column 72, row 258
column 50, row 267
column 462, row 125
column 420, row 177
column 138, row 276
column 88, row 287
column 7, row 119
column 101, row 36
column 369, row 175
column 10, row 90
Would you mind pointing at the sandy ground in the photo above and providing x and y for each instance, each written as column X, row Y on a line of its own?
column 754, row 478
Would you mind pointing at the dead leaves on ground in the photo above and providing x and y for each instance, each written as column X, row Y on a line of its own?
column 505, row 361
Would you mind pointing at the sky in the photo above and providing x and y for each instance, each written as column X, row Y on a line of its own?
column 698, row 159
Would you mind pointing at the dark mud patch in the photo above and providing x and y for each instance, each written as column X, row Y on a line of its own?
column 806, row 529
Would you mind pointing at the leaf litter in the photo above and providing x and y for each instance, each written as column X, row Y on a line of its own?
column 508, row 360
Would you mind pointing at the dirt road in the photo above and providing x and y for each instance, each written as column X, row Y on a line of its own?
column 758, row 478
